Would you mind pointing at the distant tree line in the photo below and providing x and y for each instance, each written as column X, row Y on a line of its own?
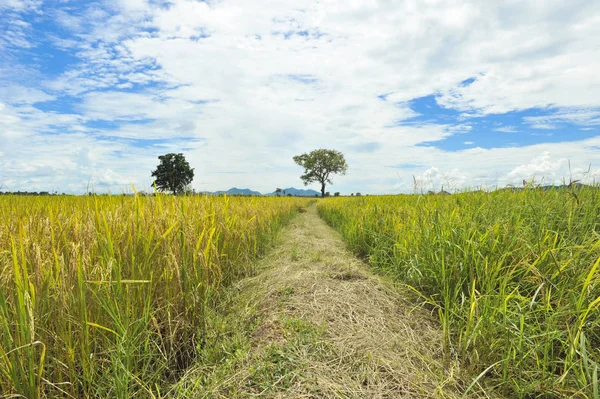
column 28, row 193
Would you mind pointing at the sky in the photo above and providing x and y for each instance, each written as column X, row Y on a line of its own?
column 418, row 94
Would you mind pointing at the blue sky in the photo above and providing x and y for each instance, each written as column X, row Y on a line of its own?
column 460, row 94
column 511, row 129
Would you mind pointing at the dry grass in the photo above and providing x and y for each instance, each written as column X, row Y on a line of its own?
column 328, row 328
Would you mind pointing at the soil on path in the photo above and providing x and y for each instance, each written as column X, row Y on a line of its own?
column 316, row 323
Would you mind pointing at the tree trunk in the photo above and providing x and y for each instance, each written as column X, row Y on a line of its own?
column 323, row 190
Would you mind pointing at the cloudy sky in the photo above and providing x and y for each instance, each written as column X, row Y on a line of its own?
column 451, row 92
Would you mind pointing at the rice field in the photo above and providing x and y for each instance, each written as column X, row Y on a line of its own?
column 110, row 296
column 513, row 277
column 106, row 296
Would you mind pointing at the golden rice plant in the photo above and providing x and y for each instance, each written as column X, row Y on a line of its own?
column 513, row 275
column 105, row 296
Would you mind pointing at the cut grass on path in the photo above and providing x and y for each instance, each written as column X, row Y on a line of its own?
column 315, row 323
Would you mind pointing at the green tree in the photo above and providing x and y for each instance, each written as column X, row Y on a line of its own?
column 319, row 165
column 173, row 173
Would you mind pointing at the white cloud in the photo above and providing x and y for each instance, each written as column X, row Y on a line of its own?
column 581, row 117
column 506, row 129
column 543, row 165
column 244, row 86
column 434, row 179
column 14, row 33
column 20, row 5
column 18, row 94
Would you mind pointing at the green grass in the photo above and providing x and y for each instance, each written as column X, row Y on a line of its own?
column 114, row 296
column 513, row 276
column 234, row 363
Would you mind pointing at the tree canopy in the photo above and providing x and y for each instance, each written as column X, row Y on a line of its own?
column 319, row 165
column 173, row 173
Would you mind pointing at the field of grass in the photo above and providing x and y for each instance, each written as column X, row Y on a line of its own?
column 513, row 276
column 108, row 296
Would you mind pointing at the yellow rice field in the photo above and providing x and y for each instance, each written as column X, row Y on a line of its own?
column 105, row 296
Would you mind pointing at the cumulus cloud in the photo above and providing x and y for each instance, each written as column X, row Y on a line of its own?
column 434, row 179
column 543, row 165
column 244, row 86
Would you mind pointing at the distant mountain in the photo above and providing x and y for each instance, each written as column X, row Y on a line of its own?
column 233, row 191
column 239, row 191
column 297, row 192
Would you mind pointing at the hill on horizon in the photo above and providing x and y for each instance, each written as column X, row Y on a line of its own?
column 296, row 192
column 233, row 191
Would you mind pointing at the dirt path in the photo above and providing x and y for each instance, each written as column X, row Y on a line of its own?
column 315, row 323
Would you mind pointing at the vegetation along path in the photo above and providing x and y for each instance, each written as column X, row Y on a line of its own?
column 315, row 323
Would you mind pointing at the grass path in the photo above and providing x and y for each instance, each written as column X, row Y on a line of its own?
column 315, row 323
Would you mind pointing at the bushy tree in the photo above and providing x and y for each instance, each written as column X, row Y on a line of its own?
column 173, row 173
column 319, row 165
